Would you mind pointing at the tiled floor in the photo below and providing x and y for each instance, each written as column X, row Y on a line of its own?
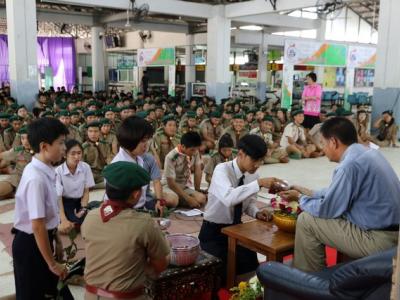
column 311, row 173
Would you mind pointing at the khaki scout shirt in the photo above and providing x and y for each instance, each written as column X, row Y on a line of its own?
column 73, row 134
column 117, row 251
column 97, row 155
column 184, row 128
column 210, row 130
column 179, row 166
column 236, row 136
column 9, row 136
column 162, row 145
column 267, row 137
column 215, row 159
column 21, row 158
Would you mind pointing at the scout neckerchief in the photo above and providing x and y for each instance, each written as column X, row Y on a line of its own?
column 111, row 208
column 188, row 174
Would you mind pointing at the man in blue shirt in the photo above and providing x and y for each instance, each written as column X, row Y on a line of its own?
column 359, row 212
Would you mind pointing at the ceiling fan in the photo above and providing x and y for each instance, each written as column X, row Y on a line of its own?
column 138, row 12
column 329, row 9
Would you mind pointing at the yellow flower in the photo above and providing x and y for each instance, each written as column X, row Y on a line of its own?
column 242, row 286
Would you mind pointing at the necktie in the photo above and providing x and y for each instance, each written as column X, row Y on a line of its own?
column 237, row 210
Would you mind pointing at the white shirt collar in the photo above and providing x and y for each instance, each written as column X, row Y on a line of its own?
column 127, row 157
column 66, row 170
column 48, row 170
column 238, row 173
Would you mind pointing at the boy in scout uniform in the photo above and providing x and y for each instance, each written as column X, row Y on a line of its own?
column 110, row 113
column 4, row 123
column 20, row 156
column 226, row 118
column 65, row 117
column 75, row 118
column 90, row 117
column 117, row 265
column 96, row 152
column 164, row 140
column 108, row 136
column 225, row 153
column 210, row 130
column 237, row 130
column 189, row 124
column 179, row 165
column 275, row 154
column 10, row 133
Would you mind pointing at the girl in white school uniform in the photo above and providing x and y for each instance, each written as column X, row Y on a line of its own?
column 74, row 178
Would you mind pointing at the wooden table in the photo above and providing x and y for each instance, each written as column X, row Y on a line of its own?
column 259, row 236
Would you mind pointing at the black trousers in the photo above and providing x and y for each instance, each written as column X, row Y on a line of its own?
column 216, row 243
column 33, row 279
column 70, row 205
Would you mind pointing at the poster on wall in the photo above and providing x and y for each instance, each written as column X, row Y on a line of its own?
column 340, row 77
column 361, row 57
column 287, row 86
column 171, row 80
column 329, row 77
column 125, row 62
column 156, row 57
column 309, row 53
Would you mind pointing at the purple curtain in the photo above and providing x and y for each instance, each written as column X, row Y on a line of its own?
column 56, row 52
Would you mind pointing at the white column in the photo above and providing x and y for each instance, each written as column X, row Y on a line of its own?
column 190, row 67
column 321, row 31
column 387, row 70
column 218, row 52
column 22, row 48
column 98, row 59
column 262, row 70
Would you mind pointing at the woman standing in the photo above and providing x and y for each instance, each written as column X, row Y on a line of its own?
column 311, row 99
column 74, row 178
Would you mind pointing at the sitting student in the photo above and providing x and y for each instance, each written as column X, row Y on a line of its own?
column 362, row 122
column 237, row 130
column 189, row 124
column 20, row 156
column 74, row 178
column 96, row 152
column 387, row 130
column 233, row 190
column 10, row 133
column 90, row 117
column 36, row 270
column 108, row 136
column 358, row 214
column 314, row 134
column 164, row 140
column 224, row 153
column 130, row 245
column 134, row 135
column 265, row 130
column 294, row 138
column 65, row 117
column 211, row 130
column 179, row 164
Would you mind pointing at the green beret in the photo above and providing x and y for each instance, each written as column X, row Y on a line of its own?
column 126, row 176
column 23, row 130
column 142, row 114
column 238, row 116
column 253, row 110
column 74, row 113
column 14, row 106
column 125, row 107
column 64, row 113
column 48, row 113
column 4, row 115
column 94, row 124
column 297, row 112
column 268, row 118
column 167, row 118
column 91, row 103
column 15, row 118
column 21, row 106
column 345, row 113
column 105, row 121
column 215, row 114
column 109, row 108
column 191, row 114
column 63, row 105
column 331, row 114
column 90, row 113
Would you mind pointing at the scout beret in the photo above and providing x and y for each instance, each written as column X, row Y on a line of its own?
column 21, row 106
column 4, row 115
column 142, row 114
column 47, row 113
column 238, row 116
column 346, row 113
column 94, row 124
column 124, row 175
column 167, row 118
column 63, row 105
column 74, row 113
column 64, row 113
column 297, row 112
column 108, row 108
column 268, row 118
column 14, row 106
column 215, row 114
column 15, row 118
column 191, row 114
column 125, row 107
column 389, row 112
column 90, row 113
column 23, row 130
column 105, row 121
column 331, row 114
column 91, row 103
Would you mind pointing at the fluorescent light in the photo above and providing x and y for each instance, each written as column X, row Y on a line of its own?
column 233, row 28
column 251, row 27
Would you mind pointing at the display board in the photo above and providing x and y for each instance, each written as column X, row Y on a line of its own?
column 309, row 53
column 156, row 57
column 361, row 57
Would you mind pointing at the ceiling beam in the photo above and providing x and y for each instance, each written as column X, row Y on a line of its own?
column 280, row 20
column 167, row 7
column 163, row 27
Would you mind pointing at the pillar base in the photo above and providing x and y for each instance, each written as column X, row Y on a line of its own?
column 25, row 91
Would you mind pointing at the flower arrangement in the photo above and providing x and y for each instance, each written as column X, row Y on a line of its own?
column 251, row 290
column 285, row 214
